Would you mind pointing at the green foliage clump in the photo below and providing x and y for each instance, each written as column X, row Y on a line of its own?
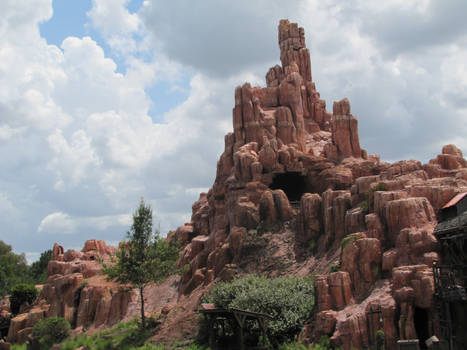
column 345, row 241
column 14, row 269
column 364, row 206
column 23, row 346
column 145, row 257
column 324, row 344
column 124, row 336
column 289, row 300
column 293, row 346
column 380, row 339
column 21, row 293
column 348, row 239
column 334, row 268
column 51, row 330
column 381, row 186
column 38, row 268
column 312, row 245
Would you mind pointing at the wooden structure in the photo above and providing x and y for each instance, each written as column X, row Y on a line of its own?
column 221, row 320
column 450, row 276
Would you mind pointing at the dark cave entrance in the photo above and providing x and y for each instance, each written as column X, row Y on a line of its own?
column 420, row 320
column 292, row 183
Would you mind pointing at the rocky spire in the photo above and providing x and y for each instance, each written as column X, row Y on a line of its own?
column 293, row 48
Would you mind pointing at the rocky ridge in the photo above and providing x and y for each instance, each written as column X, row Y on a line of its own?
column 294, row 194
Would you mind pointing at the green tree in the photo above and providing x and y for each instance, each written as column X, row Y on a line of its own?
column 289, row 300
column 144, row 257
column 39, row 268
column 13, row 269
column 21, row 293
column 51, row 330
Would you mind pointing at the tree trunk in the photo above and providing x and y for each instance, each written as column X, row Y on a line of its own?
column 143, row 320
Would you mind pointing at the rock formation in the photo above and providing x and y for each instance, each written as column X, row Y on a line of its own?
column 294, row 194
column 76, row 290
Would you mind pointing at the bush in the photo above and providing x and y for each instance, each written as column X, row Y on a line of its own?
column 381, row 186
column 38, row 268
column 14, row 269
column 289, row 300
column 364, row 206
column 334, row 268
column 19, row 294
column 380, row 339
column 51, row 330
column 293, row 346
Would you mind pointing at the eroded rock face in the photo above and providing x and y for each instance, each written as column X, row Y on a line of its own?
column 294, row 194
column 76, row 291
column 251, row 219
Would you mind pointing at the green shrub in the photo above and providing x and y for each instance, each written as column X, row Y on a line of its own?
column 289, row 300
column 124, row 336
column 348, row 239
column 51, row 330
column 324, row 344
column 23, row 346
column 380, row 339
column 364, row 206
column 312, row 245
column 21, row 293
column 334, row 268
column 38, row 268
column 381, row 186
column 293, row 346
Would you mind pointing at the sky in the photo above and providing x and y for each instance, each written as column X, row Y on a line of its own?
column 103, row 102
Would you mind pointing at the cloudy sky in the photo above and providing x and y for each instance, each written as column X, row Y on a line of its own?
column 103, row 102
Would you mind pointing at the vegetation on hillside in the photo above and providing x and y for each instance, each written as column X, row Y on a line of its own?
column 144, row 257
column 124, row 336
column 22, row 293
column 50, row 331
column 289, row 300
column 15, row 270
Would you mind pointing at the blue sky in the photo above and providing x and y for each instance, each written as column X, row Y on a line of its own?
column 103, row 102
column 70, row 19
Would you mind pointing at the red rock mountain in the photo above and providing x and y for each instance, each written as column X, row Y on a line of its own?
column 294, row 194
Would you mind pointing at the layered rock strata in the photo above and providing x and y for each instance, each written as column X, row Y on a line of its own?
column 296, row 194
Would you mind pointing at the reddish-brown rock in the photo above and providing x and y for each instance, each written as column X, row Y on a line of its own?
column 333, row 291
column 309, row 220
column 408, row 212
column 251, row 221
column 335, row 206
column 344, row 128
column 361, row 258
column 57, row 252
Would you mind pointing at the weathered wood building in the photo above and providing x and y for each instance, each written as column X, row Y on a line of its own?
column 450, row 274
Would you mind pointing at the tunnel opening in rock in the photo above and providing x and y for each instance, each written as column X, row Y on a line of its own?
column 420, row 320
column 292, row 183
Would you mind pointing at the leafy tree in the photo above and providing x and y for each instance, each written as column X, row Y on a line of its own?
column 13, row 269
column 144, row 257
column 38, row 268
column 289, row 300
column 51, row 330
column 21, row 293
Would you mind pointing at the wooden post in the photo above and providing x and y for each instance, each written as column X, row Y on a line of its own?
column 211, row 331
column 241, row 322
